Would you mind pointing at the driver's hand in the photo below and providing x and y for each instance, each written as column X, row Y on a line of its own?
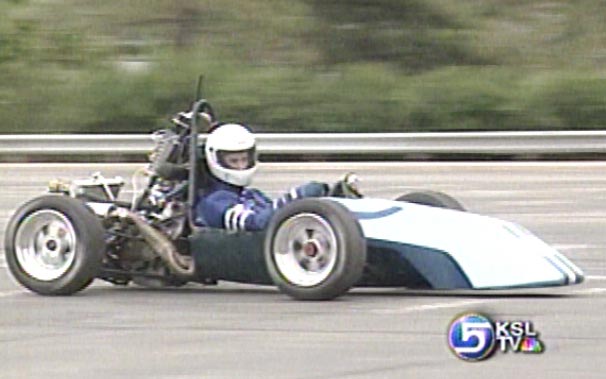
column 347, row 187
column 313, row 189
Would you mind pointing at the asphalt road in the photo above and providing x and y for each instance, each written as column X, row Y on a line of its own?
column 233, row 331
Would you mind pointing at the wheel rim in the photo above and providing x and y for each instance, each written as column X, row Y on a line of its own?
column 45, row 244
column 305, row 249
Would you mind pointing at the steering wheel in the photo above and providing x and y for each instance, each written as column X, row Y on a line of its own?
column 203, row 107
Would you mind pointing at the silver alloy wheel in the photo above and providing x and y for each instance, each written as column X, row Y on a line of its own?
column 305, row 249
column 45, row 244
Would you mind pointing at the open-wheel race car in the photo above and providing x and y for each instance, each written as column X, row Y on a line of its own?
column 312, row 249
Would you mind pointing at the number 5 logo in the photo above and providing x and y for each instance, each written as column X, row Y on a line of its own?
column 471, row 337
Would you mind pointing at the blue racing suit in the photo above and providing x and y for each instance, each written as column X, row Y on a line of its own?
column 223, row 205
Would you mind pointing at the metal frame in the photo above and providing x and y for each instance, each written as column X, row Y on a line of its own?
column 514, row 143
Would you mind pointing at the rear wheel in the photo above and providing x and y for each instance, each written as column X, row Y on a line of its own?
column 54, row 245
column 314, row 249
column 432, row 199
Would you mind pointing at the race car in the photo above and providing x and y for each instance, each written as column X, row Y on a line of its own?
column 312, row 249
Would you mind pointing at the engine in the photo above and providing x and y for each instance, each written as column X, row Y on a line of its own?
column 156, row 220
column 145, row 241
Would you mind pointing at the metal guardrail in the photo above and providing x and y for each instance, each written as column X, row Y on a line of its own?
column 506, row 143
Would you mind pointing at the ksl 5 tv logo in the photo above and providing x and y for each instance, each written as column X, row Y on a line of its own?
column 475, row 337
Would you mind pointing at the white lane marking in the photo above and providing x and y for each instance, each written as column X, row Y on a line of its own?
column 431, row 307
column 10, row 293
column 467, row 303
column 589, row 291
column 572, row 246
column 557, row 218
column 595, row 277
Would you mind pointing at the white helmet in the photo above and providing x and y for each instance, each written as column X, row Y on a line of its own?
column 222, row 143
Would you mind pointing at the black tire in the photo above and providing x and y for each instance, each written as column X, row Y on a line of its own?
column 84, row 245
column 432, row 199
column 333, row 238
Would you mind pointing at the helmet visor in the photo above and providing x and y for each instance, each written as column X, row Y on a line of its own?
column 237, row 160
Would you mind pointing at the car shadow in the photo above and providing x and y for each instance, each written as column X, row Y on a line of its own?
column 230, row 289
column 482, row 294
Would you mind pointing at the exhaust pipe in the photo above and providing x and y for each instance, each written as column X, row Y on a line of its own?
column 179, row 264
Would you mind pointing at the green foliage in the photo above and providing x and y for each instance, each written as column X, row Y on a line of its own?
column 411, row 34
column 567, row 100
column 303, row 65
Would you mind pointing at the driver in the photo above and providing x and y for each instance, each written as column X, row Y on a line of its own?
column 227, row 202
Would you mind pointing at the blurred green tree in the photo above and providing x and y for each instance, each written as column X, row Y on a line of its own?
column 289, row 65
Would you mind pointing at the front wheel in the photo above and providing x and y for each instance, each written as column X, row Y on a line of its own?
column 314, row 249
column 432, row 199
column 54, row 245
